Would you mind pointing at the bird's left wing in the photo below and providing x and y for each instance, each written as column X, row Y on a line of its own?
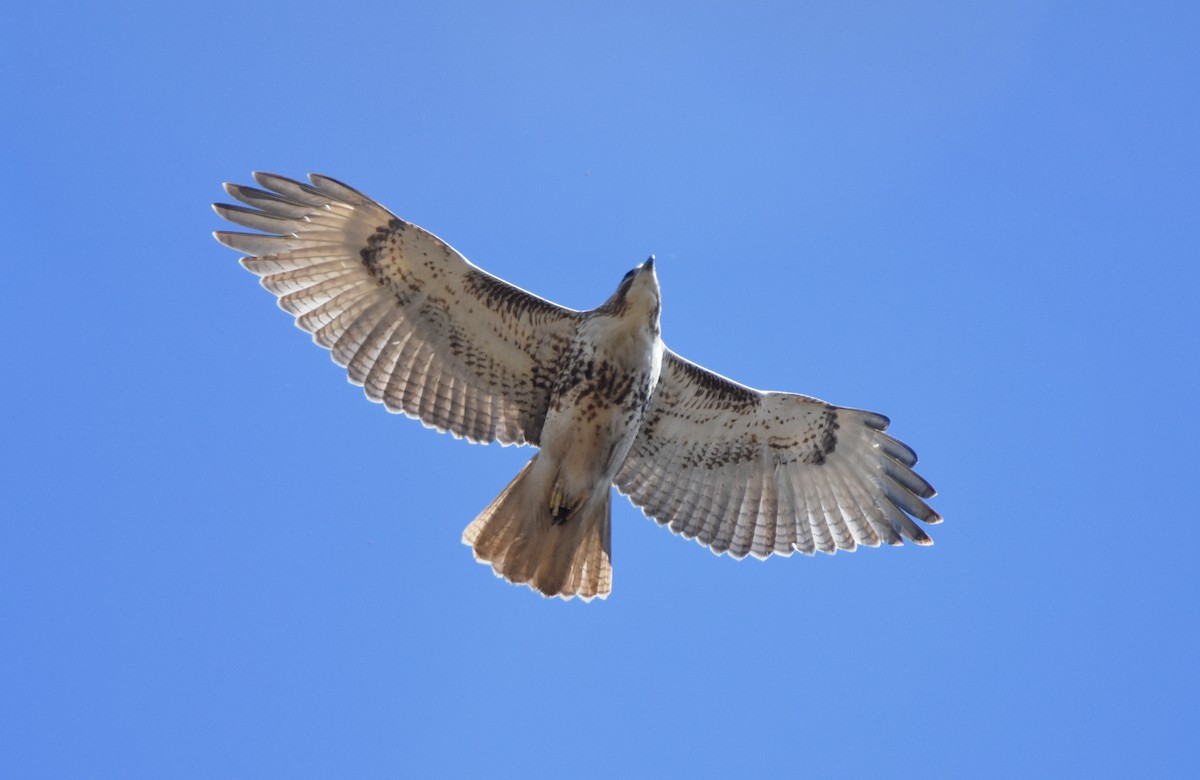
column 748, row 472
column 421, row 329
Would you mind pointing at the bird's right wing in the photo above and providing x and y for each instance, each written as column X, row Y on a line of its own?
column 747, row 472
column 424, row 331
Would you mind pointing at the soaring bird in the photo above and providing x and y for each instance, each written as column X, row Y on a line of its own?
column 427, row 333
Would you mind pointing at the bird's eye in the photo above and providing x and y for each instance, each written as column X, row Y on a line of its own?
column 629, row 275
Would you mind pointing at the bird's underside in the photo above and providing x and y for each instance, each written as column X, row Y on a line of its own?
column 427, row 333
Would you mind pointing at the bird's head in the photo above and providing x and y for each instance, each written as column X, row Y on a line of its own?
column 637, row 295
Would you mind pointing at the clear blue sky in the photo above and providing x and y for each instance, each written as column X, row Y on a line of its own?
column 981, row 219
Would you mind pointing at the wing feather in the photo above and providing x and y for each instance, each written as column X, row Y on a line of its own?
column 346, row 334
column 704, row 508
column 302, row 278
column 823, row 531
column 749, row 472
column 373, row 363
column 390, row 373
column 786, row 539
column 798, row 522
column 765, row 527
column 749, row 510
column 421, row 329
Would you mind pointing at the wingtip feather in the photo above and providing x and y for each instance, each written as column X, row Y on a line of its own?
column 225, row 237
column 336, row 189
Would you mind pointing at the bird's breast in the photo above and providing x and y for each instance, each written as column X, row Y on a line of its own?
column 598, row 400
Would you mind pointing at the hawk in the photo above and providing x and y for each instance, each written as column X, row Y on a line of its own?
column 428, row 334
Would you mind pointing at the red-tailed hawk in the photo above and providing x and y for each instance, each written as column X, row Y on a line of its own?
column 427, row 333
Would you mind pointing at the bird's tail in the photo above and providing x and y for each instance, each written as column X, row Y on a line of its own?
column 517, row 535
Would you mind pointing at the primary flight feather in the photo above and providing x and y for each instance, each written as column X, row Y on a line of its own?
column 427, row 333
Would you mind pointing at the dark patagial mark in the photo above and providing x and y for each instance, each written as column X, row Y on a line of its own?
column 503, row 298
column 712, row 388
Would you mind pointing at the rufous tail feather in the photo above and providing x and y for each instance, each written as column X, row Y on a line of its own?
column 517, row 535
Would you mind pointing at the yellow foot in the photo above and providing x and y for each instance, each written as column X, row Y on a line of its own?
column 560, row 511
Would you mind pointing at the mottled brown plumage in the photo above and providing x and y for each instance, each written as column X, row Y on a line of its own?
column 428, row 334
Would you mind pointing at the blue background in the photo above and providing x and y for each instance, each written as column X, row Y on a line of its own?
column 218, row 560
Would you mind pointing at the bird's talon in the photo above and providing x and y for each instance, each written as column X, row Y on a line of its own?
column 556, row 498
